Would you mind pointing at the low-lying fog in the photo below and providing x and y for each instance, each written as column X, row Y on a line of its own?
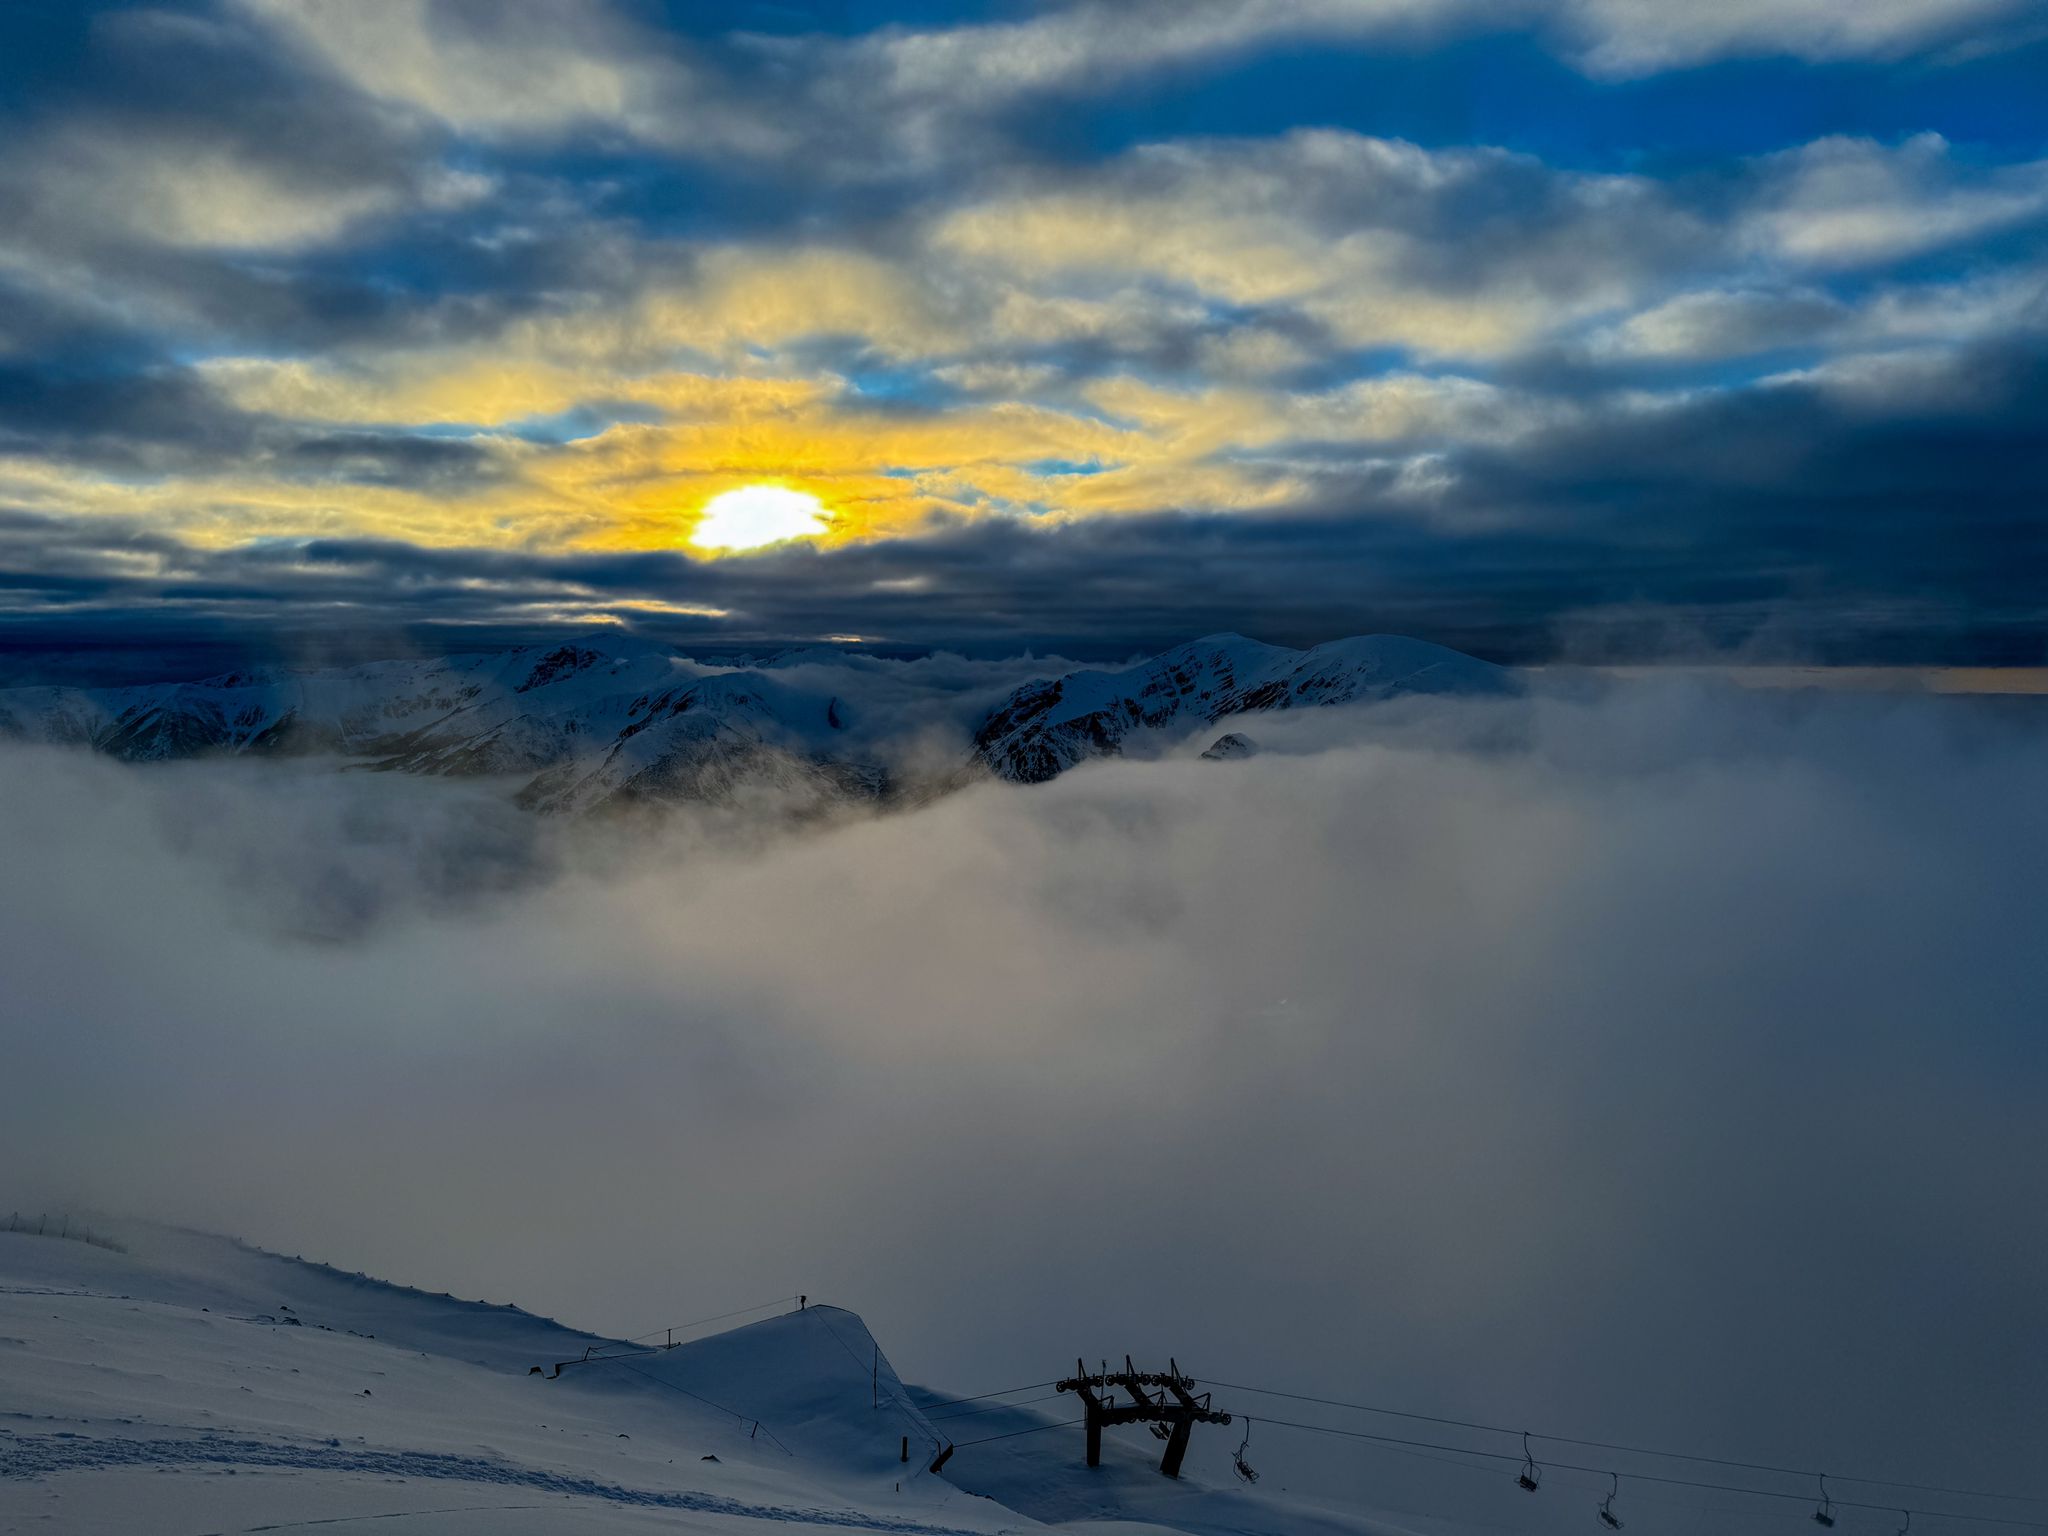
column 1667, row 1067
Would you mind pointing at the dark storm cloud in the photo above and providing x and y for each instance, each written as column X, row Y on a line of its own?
column 1878, row 505
column 188, row 182
column 392, row 459
column 165, row 419
column 116, row 415
column 173, row 95
column 1894, row 519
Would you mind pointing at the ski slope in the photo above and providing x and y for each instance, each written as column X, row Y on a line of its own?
column 193, row 1384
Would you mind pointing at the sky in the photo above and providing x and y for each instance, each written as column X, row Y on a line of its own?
column 1585, row 330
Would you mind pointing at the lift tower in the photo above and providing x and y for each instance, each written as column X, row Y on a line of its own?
column 1173, row 1410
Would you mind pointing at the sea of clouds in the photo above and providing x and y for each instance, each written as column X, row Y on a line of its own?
column 1660, row 1062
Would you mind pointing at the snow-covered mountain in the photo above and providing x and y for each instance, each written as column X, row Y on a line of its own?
column 1045, row 728
column 591, row 727
column 607, row 725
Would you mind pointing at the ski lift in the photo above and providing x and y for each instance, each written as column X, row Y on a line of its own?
column 1242, row 1467
column 1607, row 1516
column 1909, row 1522
column 1825, row 1513
column 1530, row 1478
column 1159, row 1431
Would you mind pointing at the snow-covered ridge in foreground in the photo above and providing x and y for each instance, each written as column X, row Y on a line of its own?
column 192, row 1383
column 593, row 725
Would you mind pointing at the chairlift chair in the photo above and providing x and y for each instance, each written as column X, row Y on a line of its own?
column 1607, row 1516
column 1530, row 1478
column 1242, row 1467
column 1824, row 1514
column 1159, row 1431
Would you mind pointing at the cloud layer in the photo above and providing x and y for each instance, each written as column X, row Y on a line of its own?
column 1604, row 537
column 540, row 280
column 1660, row 1063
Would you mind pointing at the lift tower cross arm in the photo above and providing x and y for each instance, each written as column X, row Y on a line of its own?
column 1178, row 1409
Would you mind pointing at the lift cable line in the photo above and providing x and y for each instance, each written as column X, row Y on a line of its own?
column 1642, row 1450
column 979, row 1397
column 1531, row 1475
column 633, row 1348
column 759, row 1427
column 717, row 1317
column 968, row 1413
column 1646, row 1477
column 1037, row 1429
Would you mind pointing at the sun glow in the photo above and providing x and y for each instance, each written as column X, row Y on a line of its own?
column 754, row 516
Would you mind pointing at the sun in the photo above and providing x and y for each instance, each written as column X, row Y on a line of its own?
column 753, row 516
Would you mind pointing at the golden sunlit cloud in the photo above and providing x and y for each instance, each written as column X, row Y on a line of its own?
column 757, row 515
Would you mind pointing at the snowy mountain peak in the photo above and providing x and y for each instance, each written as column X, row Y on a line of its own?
column 1045, row 728
column 1231, row 744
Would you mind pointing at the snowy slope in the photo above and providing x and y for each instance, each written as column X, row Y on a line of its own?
column 1045, row 728
column 193, row 1384
column 212, row 1386
column 717, row 740
column 1037, row 1476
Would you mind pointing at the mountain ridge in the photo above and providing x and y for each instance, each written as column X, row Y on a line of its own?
column 1043, row 729
column 590, row 725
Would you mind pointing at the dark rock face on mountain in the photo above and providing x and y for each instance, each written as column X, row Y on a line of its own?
column 1045, row 728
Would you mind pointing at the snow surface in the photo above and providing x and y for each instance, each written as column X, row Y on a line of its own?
column 194, row 1384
